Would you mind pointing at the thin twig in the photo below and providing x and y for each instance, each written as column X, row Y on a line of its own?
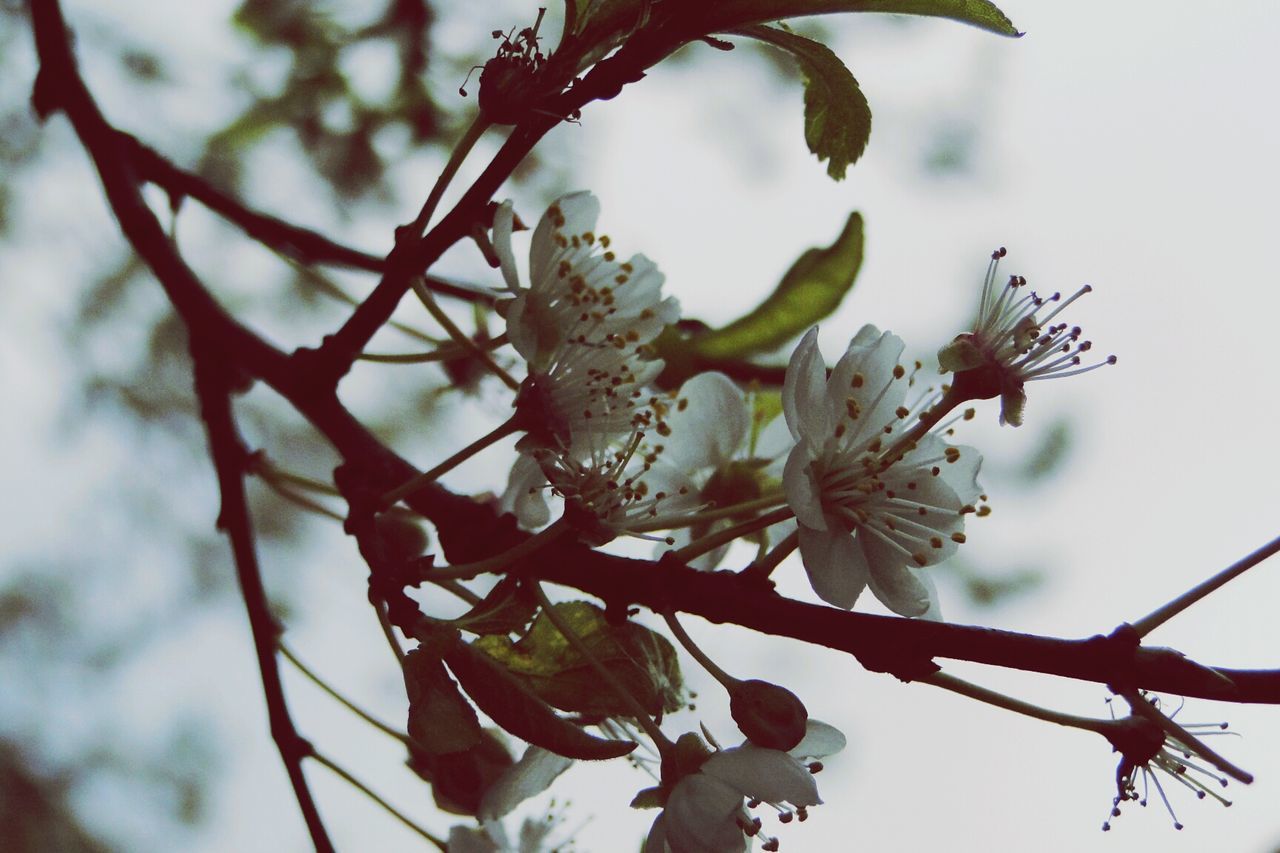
column 1163, row 614
column 387, row 807
column 229, row 458
column 343, row 700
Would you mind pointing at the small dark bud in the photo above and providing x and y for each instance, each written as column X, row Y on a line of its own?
column 769, row 715
column 401, row 538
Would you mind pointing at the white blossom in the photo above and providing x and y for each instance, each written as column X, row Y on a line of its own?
column 717, row 451
column 1010, row 345
column 582, row 324
column 873, row 507
column 705, row 812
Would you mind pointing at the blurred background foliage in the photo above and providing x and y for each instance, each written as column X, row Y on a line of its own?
column 346, row 95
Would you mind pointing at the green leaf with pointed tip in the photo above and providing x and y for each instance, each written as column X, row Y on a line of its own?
column 809, row 292
column 508, row 607
column 731, row 14
column 642, row 660
column 518, row 710
column 837, row 119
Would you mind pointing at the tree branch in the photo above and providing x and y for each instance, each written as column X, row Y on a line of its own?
column 230, row 459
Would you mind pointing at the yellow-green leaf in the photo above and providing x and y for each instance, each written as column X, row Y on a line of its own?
column 809, row 292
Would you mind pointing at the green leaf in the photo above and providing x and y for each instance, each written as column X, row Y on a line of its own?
column 731, row 14
column 837, row 120
column 515, row 708
column 440, row 718
column 643, row 661
column 809, row 292
column 507, row 608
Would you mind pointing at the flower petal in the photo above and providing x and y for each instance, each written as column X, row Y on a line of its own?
column 701, row 816
column 572, row 214
column 804, row 397
column 709, row 423
column 803, row 493
column 524, row 493
column 836, row 567
column 528, row 777
column 891, row 581
column 766, row 774
column 819, row 741
column 503, row 225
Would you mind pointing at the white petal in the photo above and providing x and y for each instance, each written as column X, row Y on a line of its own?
column 503, row 224
column 803, row 495
column 766, row 774
column 528, row 777
column 836, row 568
column 819, row 741
column 656, row 840
column 891, row 582
column 711, row 428
column 580, row 211
column 463, row 839
column 701, row 816
column 804, row 391
column 774, row 442
column 524, row 494
column 874, row 356
column 962, row 475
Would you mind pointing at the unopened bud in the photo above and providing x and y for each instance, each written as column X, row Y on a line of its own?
column 769, row 715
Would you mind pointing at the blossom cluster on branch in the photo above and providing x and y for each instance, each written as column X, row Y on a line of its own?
column 636, row 424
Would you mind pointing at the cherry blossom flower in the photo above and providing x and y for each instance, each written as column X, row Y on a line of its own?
column 705, row 812
column 873, row 504
column 603, row 482
column 1146, row 748
column 719, row 452
column 582, row 323
column 1010, row 346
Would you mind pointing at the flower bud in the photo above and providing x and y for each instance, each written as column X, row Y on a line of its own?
column 769, row 715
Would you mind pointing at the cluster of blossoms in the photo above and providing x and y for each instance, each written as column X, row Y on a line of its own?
column 857, row 468
column 877, row 494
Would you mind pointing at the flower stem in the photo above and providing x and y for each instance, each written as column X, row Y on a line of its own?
column 721, row 537
column 691, row 647
column 1163, row 614
column 460, row 152
column 459, row 337
column 441, row 354
column 350, row 706
column 466, row 571
column 1000, row 700
column 390, row 809
column 1171, row 728
column 764, row 566
column 637, row 710
column 404, row 490
column 671, row 522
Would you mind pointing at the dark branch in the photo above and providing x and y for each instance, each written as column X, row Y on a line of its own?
column 471, row 531
column 292, row 241
column 229, row 458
